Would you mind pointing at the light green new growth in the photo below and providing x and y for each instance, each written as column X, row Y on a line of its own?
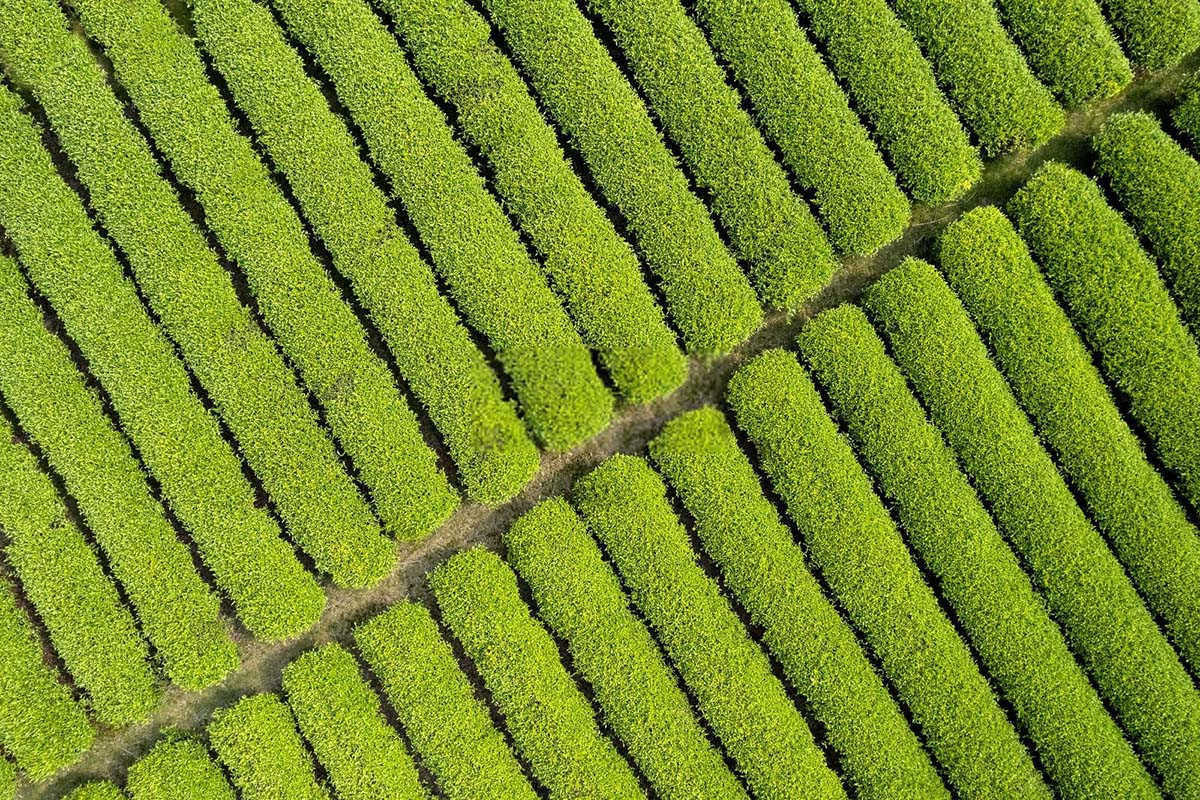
column 188, row 119
column 1069, row 46
column 624, row 505
column 341, row 718
column 551, row 723
column 579, row 597
column 450, row 729
column 761, row 565
column 983, row 73
column 189, row 291
column 96, row 790
column 770, row 227
column 177, row 769
column 1156, row 33
column 256, row 740
column 71, row 265
column 91, row 630
column 488, row 272
column 594, row 269
column 806, row 114
column 603, row 118
column 448, row 726
column 41, row 726
column 1158, row 184
column 312, row 147
column 852, row 539
column 892, row 86
column 1084, row 586
column 1082, row 750
column 1053, row 376
column 1117, row 299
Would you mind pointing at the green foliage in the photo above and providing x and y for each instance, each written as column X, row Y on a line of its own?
column 334, row 188
column 1155, row 33
column 1084, row 586
column 579, row 597
column 604, row 119
column 188, row 119
column 1053, row 376
column 70, row 263
column 8, row 779
column 765, row 570
column 177, row 768
column 341, row 718
column 201, row 475
column 851, row 538
column 1116, row 298
column 91, row 630
column 1069, row 46
column 893, row 87
column 1187, row 114
column 624, row 505
column 595, row 270
column 41, row 726
column 983, row 72
column 257, row 742
column 96, row 790
column 1158, row 185
column 1082, row 750
column 770, row 227
column 448, row 727
column 490, row 275
column 805, row 112
column 551, row 723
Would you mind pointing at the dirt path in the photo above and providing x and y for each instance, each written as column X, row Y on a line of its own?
column 262, row 663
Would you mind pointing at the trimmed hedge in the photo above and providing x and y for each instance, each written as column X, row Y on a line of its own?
column 806, row 114
column 41, row 725
column 771, row 228
column 448, row 726
column 256, row 740
column 335, row 190
column 1069, row 46
column 179, row 614
column 201, row 475
column 604, row 119
column 592, row 267
column 983, row 72
column 96, row 790
column 177, row 769
column 91, row 629
column 551, row 723
column 624, row 505
column 1084, row 586
column 1082, row 750
column 1052, row 375
column 342, row 720
column 579, row 597
column 892, row 86
column 1117, row 300
column 1187, row 114
column 162, row 72
column 491, row 276
column 1155, row 33
column 851, row 538
column 879, row 756
column 1158, row 185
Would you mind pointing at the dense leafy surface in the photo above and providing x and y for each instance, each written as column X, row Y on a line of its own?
column 282, row 281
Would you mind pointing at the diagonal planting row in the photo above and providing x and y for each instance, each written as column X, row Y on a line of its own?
column 545, row 276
